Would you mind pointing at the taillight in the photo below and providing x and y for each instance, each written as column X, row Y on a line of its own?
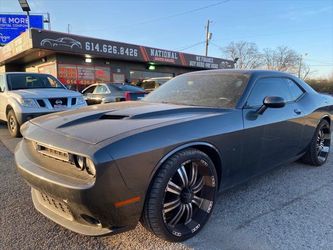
column 127, row 96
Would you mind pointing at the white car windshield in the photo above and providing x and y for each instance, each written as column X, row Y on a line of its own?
column 32, row 81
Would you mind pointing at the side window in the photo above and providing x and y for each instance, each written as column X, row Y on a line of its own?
column 268, row 87
column 89, row 90
column 2, row 83
column 101, row 89
column 294, row 89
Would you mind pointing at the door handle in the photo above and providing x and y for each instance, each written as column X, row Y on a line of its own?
column 298, row 111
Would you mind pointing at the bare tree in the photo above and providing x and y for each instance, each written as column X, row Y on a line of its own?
column 285, row 59
column 282, row 58
column 245, row 53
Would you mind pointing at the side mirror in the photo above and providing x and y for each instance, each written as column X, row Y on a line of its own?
column 271, row 102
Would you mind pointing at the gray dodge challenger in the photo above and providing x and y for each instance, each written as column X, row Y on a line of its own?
column 102, row 169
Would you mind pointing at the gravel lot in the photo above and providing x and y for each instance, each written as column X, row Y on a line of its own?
column 289, row 208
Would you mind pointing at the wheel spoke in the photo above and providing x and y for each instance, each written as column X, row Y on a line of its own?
column 194, row 174
column 322, row 150
column 178, row 216
column 198, row 186
column 197, row 200
column 189, row 212
column 326, row 136
column 173, row 188
column 183, row 175
column 171, row 205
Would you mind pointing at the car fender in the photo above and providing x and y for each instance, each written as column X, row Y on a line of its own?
column 13, row 103
column 181, row 147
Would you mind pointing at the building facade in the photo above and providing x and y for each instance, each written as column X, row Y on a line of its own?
column 79, row 61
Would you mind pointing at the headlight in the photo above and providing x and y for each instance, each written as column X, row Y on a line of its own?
column 80, row 100
column 86, row 164
column 80, row 162
column 28, row 103
column 90, row 167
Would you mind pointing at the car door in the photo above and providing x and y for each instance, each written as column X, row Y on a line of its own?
column 100, row 92
column 88, row 94
column 274, row 136
column 2, row 98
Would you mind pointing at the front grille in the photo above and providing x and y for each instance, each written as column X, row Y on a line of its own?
column 58, row 101
column 54, row 205
column 41, row 103
column 53, row 153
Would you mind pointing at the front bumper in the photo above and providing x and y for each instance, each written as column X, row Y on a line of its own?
column 27, row 114
column 83, row 206
column 60, row 214
column 23, row 117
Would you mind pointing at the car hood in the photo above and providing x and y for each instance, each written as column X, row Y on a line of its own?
column 97, row 123
column 44, row 93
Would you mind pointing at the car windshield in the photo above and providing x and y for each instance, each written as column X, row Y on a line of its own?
column 32, row 81
column 126, row 87
column 209, row 89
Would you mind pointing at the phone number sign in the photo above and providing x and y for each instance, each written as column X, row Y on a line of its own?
column 122, row 51
column 11, row 26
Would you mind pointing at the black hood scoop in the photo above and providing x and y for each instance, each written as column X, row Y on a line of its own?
column 113, row 117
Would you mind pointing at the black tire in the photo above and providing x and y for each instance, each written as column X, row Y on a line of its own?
column 320, row 145
column 12, row 124
column 177, row 213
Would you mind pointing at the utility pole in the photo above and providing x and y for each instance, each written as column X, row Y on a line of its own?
column 208, row 37
column 49, row 20
column 68, row 28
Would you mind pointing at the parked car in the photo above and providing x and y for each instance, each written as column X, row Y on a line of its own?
column 24, row 96
column 101, row 169
column 100, row 93
column 153, row 83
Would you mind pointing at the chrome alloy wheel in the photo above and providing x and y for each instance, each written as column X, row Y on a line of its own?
column 12, row 123
column 323, row 143
column 189, row 197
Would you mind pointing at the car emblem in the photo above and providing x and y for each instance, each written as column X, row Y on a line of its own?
column 58, row 102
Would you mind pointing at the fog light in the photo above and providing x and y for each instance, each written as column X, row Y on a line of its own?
column 91, row 220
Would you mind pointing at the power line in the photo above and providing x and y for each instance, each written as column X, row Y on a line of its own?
column 190, row 46
column 169, row 16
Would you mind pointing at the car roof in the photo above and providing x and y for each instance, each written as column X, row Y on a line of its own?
column 22, row 73
column 256, row 72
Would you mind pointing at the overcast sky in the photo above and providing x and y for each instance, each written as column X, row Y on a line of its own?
column 303, row 25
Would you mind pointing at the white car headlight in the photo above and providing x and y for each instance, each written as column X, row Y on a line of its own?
column 28, row 103
column 80, row 100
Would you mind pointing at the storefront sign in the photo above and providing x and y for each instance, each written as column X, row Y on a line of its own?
column 122, row 51
column 11, row 26
column 84, row 75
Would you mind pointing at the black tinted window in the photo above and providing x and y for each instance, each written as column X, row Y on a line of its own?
column 268, row 87
column 294, row 89
column 89, row 90
column 204, row 89
column 125, row 87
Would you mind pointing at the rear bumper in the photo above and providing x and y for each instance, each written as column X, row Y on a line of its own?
column 85, row 207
